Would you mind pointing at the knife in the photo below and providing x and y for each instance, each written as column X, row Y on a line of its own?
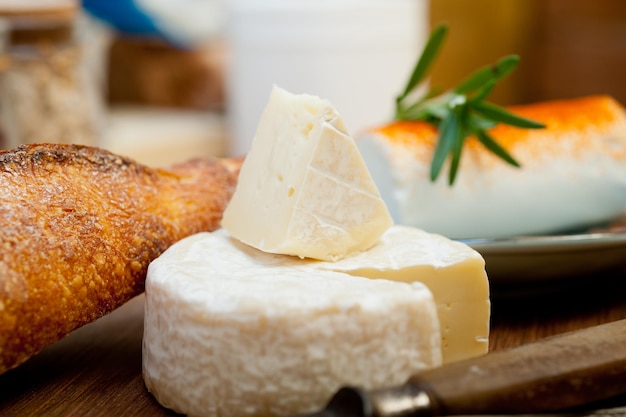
column 556, row 373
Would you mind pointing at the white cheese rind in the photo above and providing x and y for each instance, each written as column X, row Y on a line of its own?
column 303, row 188
column 453, row 272
column 233, row 331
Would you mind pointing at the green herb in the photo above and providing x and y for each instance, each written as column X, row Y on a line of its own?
column 460, row 112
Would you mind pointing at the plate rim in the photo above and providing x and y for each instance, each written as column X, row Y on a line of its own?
column 541, row 243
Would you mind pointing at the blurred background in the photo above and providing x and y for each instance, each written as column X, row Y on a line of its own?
column 568, row 48
column 162, row 81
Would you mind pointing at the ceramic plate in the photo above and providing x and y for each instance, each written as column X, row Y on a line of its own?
column 539, row 262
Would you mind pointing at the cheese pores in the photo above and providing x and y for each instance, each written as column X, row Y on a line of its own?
column 233, row 331
column 303, row 188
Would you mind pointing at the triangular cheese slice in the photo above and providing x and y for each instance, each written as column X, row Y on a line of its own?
column 304, row 189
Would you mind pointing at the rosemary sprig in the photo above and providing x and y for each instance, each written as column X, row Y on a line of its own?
column 460, row 112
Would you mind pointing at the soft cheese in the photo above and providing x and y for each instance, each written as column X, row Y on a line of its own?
column 572, row 175
column 304, row 188
column 454, row 273
column 233, row 331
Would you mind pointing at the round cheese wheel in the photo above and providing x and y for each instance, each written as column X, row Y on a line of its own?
column 233, row 331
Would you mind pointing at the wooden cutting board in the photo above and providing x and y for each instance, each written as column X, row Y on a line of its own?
column 96, row 370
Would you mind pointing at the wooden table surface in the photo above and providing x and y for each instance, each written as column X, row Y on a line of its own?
column 96, row 371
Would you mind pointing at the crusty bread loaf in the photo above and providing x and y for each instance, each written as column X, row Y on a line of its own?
column 573, row 173
column 79, row 227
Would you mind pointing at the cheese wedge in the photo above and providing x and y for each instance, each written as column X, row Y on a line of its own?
column 303, row 188
column 454, row 273
column 233, row 331
column 573, row 173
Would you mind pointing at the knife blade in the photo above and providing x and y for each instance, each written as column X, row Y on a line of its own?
column 553, row 374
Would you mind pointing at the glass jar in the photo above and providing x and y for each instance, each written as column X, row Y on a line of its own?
column 355, row 53
column 44, row 94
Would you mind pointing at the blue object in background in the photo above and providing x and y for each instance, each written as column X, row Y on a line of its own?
column 125, row 16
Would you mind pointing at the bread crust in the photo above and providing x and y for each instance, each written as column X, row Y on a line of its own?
column 80, row 226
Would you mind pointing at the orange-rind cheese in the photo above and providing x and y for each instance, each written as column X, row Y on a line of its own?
column 572, row 175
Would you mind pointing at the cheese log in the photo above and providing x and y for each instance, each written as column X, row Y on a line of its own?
column 79, row 226
column 233, row 331
column 303, row 188
column 573, row 173
column 454, row 273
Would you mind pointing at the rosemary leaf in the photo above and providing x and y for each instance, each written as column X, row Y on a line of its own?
column 457, row 149
column 460, row 112
column 501, row 115
column 495, row 147
column 478, row 79
column 448, row 131
column 476, row 122
column 427, row 110
column 484, row 91
column 426, row 59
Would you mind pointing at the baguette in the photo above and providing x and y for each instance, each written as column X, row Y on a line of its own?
column 80, row 226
